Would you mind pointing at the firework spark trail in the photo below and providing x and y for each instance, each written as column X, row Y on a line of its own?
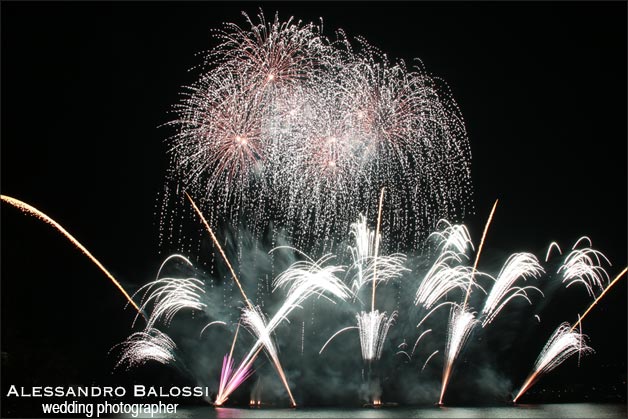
column 453, row 236
column 222, row 253
column 211, row 324
column 364, row 238
column 561, row 345
column 229, row 381
column 148, row 345
column 168, row 259
column 617, row 278
column 377, row 240
column 235, row 338
column 453, row 242
column 256, row 322
column 279, row 98
column 373, row 327
column 418, row 340
column 581, row 239
column 306, row 278
column 169, row 296
column 518, row 265
column 477, row 256
column 441, row 279
column 428, row 359
column 226, row 371
column 583, row 266
column 549, row 250
column 334, row 335
column 433, row 310
column 158, row 276
column 389, row 267
column 461, row 323
column 23, row 206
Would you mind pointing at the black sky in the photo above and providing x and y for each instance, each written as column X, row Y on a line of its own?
column 86, row 86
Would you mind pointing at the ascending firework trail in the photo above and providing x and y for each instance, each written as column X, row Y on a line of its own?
column 461, row 321
column 35, row 212
column 617, row 278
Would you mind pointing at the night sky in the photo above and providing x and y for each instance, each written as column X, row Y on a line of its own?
column 86, row 88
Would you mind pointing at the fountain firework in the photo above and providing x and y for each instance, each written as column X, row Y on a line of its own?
column 461, row 323
column 166, row 296
column 373, row 327
column 563, row 343
column 229, row 379
column 307, row 278
column 251, row 310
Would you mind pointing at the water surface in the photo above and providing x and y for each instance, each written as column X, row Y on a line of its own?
column 563, row 410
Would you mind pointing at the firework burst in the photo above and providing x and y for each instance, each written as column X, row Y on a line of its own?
column 367, row 266
column 148, row 345
column 447, row 272
column 583, row 266
column 518, row 265
column 441, row 280
column 314, row 127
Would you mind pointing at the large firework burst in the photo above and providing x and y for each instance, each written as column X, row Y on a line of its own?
column 289, row 126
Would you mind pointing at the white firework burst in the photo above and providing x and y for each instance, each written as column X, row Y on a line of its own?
column 448, row 272
column 442, row 278
column 312, row 128
column 518, row 265
column 148, row 345
column 453, row 237
column 583, row 266
column 169, row 296
column 367, row 266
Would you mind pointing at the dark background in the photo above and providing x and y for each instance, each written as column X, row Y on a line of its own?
column 86, row 86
